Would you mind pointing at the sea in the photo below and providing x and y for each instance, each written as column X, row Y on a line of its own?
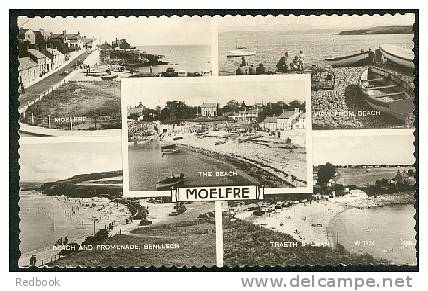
column 383, row 232
column 42, row 222
column 147, row 166
column 270, row 46
column 191, row 58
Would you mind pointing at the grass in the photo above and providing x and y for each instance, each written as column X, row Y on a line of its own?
column 248, row 244
column 98, row 99
column 196, row 241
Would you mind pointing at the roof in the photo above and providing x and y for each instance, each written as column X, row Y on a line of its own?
column 286, row 114
column 36, row 53
column 26, row 63
column 209, row 105
column 53, row 51
column 270, row 119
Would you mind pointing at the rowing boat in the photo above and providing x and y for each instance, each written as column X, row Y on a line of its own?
column 240, row 53
column 349, row 60
column 388, row 92
column 397, row 55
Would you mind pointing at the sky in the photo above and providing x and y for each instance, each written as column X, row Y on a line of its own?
column 195, row 91
column 141, row 31
column 296, row 23
column 48, row 162
column 363, row 150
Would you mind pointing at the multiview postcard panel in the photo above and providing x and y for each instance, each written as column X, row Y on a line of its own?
column 216, row 131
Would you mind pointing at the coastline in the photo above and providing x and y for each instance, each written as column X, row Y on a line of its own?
column 71, row 217
column 309, row 222
column 262, row 165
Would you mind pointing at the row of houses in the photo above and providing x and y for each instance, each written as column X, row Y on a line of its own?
column 288, row 120
column 41, row 52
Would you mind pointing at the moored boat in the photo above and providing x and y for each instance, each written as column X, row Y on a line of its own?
column 239, row 53
column 170, row 183
column 387, row 92
column 108, row 77
column 169, row 149
column 397, row 55
column 349, row 60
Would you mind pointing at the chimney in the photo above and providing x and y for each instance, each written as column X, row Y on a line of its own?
column 64, row 33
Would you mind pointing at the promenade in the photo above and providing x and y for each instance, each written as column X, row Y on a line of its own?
column 34, row 91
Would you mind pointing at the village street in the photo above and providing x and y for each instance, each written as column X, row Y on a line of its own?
column 34, row 91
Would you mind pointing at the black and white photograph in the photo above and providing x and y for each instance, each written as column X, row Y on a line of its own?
column 361, row 67
column 70, row 68
column 185, row 141
column 215, row 131
column 361, row 211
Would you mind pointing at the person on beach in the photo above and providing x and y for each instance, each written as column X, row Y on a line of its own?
column 372, row 57
column 282, row 63
column 33, row 260
column 252, row 70
column 301, row 61
column 243, row 62
column 260, row 70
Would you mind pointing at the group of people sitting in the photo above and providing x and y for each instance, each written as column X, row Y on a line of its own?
column 282, row 66
column 296, row 65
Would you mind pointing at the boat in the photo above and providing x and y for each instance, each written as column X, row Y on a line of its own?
column 169, row 149
column 387, row 92
column 239, row 53
column 349, row 60
column 108, row 77
column 170, row 182
column 397, row 55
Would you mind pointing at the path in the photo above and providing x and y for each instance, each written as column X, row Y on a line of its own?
column 34, row 91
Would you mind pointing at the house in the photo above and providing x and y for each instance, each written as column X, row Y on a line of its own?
column 245, row 115
column 209, row 109
column 27, row 35
column 35, row 38
column 300, row 121
column 73, row 41
column 136, row 111
column 270, row 123
column 57, row 58
column 286, row 120
column 40, row 59
column 121, row 44
column 28, row 72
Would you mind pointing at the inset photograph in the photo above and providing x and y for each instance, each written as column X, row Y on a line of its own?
column 361, row 67
column 73, row 213
column 361, row 211
column 216, row 131
column 70, row 68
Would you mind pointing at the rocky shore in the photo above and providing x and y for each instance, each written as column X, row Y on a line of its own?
column 339, row 108
column 265, row 164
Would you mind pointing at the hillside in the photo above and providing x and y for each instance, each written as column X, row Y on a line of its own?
column 107, row 184
column 396, row 29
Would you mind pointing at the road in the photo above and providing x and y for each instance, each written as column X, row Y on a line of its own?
column 34, row 91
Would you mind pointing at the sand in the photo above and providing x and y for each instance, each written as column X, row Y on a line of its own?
column 76, row 215
column 288, row 165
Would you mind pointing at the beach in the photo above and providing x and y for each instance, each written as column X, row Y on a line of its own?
column 45, row 219
column 310, row 222
column 278, row 166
